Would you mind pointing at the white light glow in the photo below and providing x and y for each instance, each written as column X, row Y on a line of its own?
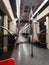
column 25, row 25
column 8, row 6
column 18, row 8
column 19, row 53
column 44, row 2
column 25, row 50
column 24, row 28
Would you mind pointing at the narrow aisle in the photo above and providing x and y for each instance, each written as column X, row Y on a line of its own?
column 22, row 55
column 22, row 39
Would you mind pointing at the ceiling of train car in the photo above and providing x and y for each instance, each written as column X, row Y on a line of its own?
column 26, row 7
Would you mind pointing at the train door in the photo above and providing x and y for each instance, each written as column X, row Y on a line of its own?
column 42, row 30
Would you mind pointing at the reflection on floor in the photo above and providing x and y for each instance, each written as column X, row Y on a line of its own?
column 22, row 55
column 22, row 39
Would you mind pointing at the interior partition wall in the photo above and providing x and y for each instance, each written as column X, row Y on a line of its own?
column 3, row 39
column 1, row 30
column 6, row 39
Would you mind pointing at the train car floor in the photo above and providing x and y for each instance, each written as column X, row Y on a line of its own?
column 22, row 55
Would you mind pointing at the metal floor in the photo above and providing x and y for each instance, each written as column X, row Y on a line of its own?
column 22, row 55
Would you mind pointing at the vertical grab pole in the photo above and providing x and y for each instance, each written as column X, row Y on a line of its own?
column 18, row 27
column 31, row 31
column 31, row 36
column 18, row 2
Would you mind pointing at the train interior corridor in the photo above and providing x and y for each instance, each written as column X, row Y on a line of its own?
column 22, row 55
column 24, row 32
column 23, row 50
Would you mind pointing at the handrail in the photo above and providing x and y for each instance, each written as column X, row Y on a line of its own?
column 11, row 41
column 42, row 31
column 5, row 29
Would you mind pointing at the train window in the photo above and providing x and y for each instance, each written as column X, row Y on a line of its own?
column 42, row 26
column 0, row 24
column 42, row 34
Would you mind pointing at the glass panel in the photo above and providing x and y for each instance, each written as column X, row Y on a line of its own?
column 1, row 32
column 1, row 24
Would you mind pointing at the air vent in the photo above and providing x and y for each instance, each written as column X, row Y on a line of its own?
column 26, row 7
column 25, row 10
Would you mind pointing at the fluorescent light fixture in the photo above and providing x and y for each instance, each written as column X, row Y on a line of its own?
column 8, row 6
column 24, row 28
column 44, row 2
column 25, row 25
column 18, row 8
